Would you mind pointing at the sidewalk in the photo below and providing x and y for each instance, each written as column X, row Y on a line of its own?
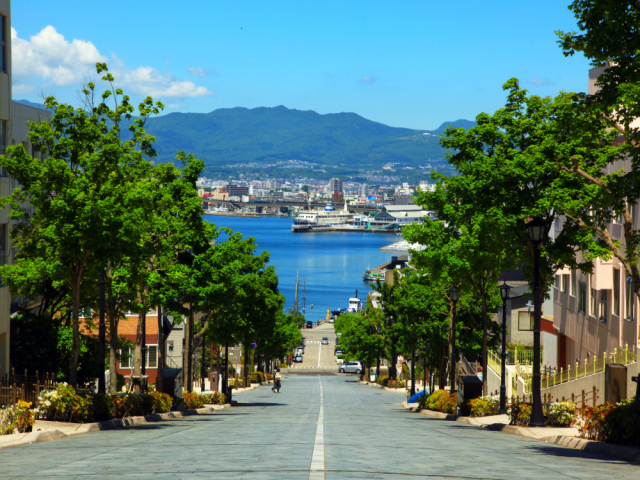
column 566, row 437
column 44, row 431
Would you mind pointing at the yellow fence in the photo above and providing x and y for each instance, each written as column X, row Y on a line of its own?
column 623, row 356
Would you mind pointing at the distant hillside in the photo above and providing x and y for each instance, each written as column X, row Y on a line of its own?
column 31, row 104
column 266, row 135
column 466, row 124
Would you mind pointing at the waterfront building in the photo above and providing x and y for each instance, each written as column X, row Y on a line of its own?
column 237, row 190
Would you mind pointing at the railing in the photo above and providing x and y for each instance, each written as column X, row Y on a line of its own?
column 550, row 379
column 23, row 387
column 514, row 357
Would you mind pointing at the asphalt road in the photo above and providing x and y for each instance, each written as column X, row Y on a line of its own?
column 317, row 355
column 317, row 427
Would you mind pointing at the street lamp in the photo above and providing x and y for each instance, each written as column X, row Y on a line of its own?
column 454, row 295
column 536, row 231
column 504, row 293
column 379, row 329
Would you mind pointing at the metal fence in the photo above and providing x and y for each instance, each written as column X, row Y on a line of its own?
column 14, row 387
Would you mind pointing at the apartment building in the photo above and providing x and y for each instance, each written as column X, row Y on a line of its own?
column 596, row 313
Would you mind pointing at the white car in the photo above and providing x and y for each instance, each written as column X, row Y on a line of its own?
column 331, row 320
column 351, row 367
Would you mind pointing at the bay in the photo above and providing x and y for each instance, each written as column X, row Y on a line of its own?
column 332, row 263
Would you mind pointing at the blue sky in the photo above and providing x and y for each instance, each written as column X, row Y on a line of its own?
column 409, row 64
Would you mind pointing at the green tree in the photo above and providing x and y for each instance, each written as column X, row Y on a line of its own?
column 77, row 206
column 604, row 128
column 359, row 338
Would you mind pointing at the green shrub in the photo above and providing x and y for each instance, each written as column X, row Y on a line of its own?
column 268, row 377
column 396, row 384
column 442, row 401
column 484, row 406
column 162, row 401
column 622, row 424
column 214, row 398
column 132, row 404
column 283, row 365
column 256, row 377
column 101, row 407
column 192, row 400
column 519, row 413
column 561, row 414
column 422, row 401
column 63, row 405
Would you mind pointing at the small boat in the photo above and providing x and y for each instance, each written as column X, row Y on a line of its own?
column 370, row 276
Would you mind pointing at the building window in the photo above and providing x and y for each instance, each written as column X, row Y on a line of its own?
column 573, row 282
column 3, row 43
column 603, row 306
column 525, row 321
column 126, row 357
column 557, row 281
column 582, row 298
column 593, row 305
column 151, row 358
column 616, row 292
column 3, row 133
column 565, row 282
column 629, row 300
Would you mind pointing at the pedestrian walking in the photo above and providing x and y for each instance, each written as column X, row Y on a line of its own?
column 277, row 381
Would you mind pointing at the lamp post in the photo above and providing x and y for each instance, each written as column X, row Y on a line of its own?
column 393, row 373
column 536, row 231
column 378, row 359
column 101, row 338
column 504, row 293
column 454, row 295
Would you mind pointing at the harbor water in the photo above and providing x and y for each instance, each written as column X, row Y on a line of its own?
column 331, row 262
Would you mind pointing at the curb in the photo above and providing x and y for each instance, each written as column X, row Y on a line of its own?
column 48, row 435
column 616, row 451
column 386, row 389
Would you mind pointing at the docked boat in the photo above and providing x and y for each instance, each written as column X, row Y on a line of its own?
column 327, row 217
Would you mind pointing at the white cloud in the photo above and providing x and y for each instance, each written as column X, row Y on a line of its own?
column 23, row 88
column 174, row 106
column 48, row 56
column 367, row 80
column 541, row 82
column 200, row 72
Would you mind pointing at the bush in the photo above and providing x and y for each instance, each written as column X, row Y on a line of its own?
column 132, row 404
column 192, row 400
column 16, row 418
column 256, row 377
column 63, row 405
column 442, row 401
column 484, row 406
column 519, row 413
column 622, row 424
column 162, row 401
column 214, row 398
column 396, row 384
column 561, row 414
column 268, row 377
column 101, row 407
column 283, row 365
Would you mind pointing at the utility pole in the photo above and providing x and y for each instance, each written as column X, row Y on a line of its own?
column 304, row 295
column 296, row 303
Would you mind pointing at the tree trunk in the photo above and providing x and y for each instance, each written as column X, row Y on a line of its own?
column 424, row 379
column 188, row 352
column 413, row 372
column 113, row 336
column 137, row 356
column 75, row 348
column 485, row 327
column 161, row 345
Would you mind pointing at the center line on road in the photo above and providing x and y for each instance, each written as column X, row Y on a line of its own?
column 316, row 472
column 319, row 355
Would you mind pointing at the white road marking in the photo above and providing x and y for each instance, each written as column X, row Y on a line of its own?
column 319, row 354
column 316, row 471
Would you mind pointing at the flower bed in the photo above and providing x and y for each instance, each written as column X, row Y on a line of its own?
column 519, row 413
column 619, row 423
column 561, row 414
column 214, row 398
column 192, row 400
column 64, row 405
column 386, row 382
column 16, row 419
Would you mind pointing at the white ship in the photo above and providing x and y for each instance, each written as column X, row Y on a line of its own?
column 326, row 217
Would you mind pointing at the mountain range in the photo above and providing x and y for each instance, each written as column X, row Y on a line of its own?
column 229, row 137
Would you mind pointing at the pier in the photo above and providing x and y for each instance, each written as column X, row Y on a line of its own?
column 339, row 228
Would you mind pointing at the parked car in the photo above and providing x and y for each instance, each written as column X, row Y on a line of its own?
column 337, row 341
column 351, row 367
column 309, row 324
column 304, row 341
column 298, row 359
column 331, row 320
column 300, row 351
column 337, row 352
column 325, row 341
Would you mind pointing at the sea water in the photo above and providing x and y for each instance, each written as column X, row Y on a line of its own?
column 331, row 262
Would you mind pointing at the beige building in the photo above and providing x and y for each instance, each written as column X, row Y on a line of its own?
column 13, row 130
column 5, row 183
